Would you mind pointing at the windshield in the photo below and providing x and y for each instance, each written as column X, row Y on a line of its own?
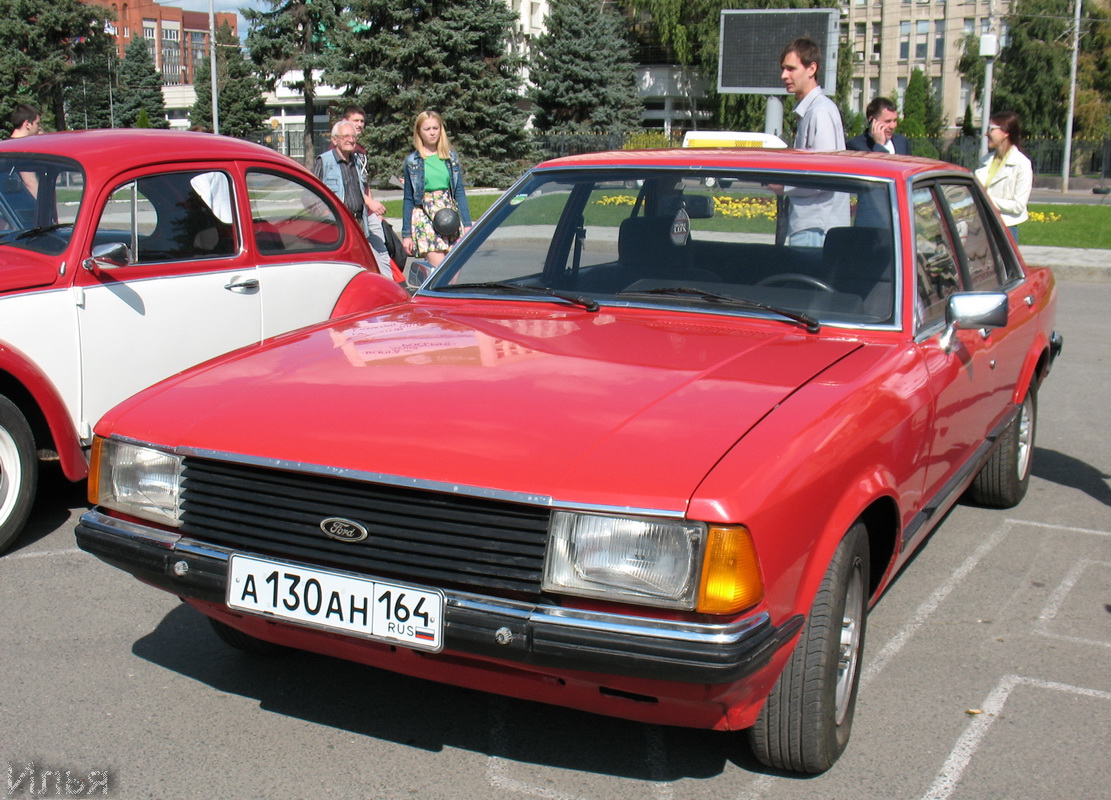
column 39, row 200
column 817, row 247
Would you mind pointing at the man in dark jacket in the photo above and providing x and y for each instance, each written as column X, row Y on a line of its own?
column 880, row 136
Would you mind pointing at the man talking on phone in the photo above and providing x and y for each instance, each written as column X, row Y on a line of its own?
column 880, row 136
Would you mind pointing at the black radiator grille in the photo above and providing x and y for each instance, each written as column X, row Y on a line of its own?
column 422, row 536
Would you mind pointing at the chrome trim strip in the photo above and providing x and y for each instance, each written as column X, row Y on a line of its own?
column 602, row 622
column 463, row 490
column 167, row 540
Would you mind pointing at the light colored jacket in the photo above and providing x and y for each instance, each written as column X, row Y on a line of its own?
column 1010, row 188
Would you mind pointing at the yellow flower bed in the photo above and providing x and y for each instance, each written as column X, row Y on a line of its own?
column 1044, row 216
column 726, row 206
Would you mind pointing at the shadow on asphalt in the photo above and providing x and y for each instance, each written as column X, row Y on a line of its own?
column 55, row 498
column 429, row 716
column 1065, row 470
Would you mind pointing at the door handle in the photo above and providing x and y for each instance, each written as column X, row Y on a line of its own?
column 242, row 287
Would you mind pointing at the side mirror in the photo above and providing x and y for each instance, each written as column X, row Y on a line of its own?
column 108, row 256
column 971, row 310
column 417, row 273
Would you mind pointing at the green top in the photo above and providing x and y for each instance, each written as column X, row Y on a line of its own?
column 436, row 175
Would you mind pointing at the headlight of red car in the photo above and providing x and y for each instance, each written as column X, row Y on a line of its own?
column 666, row 563
column 136, row 480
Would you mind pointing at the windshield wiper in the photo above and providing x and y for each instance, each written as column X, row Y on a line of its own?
column 39, row 231
column 812, row 325
column 588, row 303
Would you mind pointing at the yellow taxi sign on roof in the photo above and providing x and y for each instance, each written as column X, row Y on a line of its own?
column 731, row 139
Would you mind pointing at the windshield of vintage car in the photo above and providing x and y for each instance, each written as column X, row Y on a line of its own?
column 39, row 200
column 814, row 245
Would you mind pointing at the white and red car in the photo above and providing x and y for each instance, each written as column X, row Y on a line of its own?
column 126, row 256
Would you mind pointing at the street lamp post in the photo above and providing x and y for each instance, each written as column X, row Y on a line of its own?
column 212, row 65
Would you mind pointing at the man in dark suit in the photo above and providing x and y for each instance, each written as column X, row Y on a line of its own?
column 880, row 136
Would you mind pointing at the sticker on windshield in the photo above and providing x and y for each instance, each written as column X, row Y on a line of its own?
column 680, row 228
column 518, row 199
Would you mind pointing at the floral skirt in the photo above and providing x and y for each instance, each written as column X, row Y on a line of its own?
column 425, row 239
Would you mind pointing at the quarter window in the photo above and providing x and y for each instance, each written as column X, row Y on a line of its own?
column 289, row 216
column 975, row 238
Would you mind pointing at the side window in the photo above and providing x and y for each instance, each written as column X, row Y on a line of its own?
column 289, row 216
column 179, row 216
column 984, row 269
column 938, row 275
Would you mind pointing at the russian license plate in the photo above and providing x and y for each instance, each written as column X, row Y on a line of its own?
column 372, row 609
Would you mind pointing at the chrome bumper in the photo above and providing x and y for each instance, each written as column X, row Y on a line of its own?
column 543, row 635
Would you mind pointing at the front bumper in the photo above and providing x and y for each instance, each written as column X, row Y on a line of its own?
column 543, row 636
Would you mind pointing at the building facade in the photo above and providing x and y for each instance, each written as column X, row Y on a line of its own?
column 892, row 38
column 177, row 39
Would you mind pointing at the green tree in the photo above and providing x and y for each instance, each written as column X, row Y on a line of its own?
column 140, row 89
column 1032, row 74
column 296, row 36
column 242, row 107
column 397, row 59
column 690, row 31
column 40, row 41
column 915, row 102
column 91, row 89
column 967, row 127
column 582, row 71
column 971, row 65
column 1093, row 98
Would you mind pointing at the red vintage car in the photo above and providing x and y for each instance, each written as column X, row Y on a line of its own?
column 128, row 255
column 649, row 443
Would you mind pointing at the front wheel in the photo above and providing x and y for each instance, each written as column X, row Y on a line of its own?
column 1003, row 480
column 19, row 470
column 805, row 723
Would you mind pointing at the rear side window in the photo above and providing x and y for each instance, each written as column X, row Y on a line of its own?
column 178, row 216
column 985, row 270
column 288, row 216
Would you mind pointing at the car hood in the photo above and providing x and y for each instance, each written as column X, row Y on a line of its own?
column 628, row 408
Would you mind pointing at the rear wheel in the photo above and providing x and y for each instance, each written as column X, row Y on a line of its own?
column 19, row 471
column 805, row 723
column 1003, row 480
column 244, row 641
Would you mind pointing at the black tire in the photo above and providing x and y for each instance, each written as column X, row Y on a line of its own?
column 19, row 472
column 805, row 723
column 245, row 642
column 1002, row 482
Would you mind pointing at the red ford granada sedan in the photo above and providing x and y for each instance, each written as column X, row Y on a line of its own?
column 649, row 443
column 126, row 256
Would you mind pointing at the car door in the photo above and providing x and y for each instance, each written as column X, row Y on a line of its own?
column 962, row 383
column 186, row 291
column 307, row 250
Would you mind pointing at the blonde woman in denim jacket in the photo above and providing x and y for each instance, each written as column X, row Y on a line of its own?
column 433, row 180
column 1006, row 172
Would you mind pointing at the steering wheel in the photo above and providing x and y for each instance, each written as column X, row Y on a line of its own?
column 796, row 277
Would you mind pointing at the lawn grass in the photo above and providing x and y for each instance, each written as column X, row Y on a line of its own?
column 1077, row 226
column 1086, row 226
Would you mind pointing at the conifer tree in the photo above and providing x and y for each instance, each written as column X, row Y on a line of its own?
column 40, row 43
column 241, row 105
column 582, row 71
column 397, row 59
column 295, row 36
column 91, row 90
column 140, row 88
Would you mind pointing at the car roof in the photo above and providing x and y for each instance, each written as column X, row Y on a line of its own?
column 116, row 149
column 880, row 165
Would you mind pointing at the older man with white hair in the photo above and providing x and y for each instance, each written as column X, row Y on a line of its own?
column 342, row 170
